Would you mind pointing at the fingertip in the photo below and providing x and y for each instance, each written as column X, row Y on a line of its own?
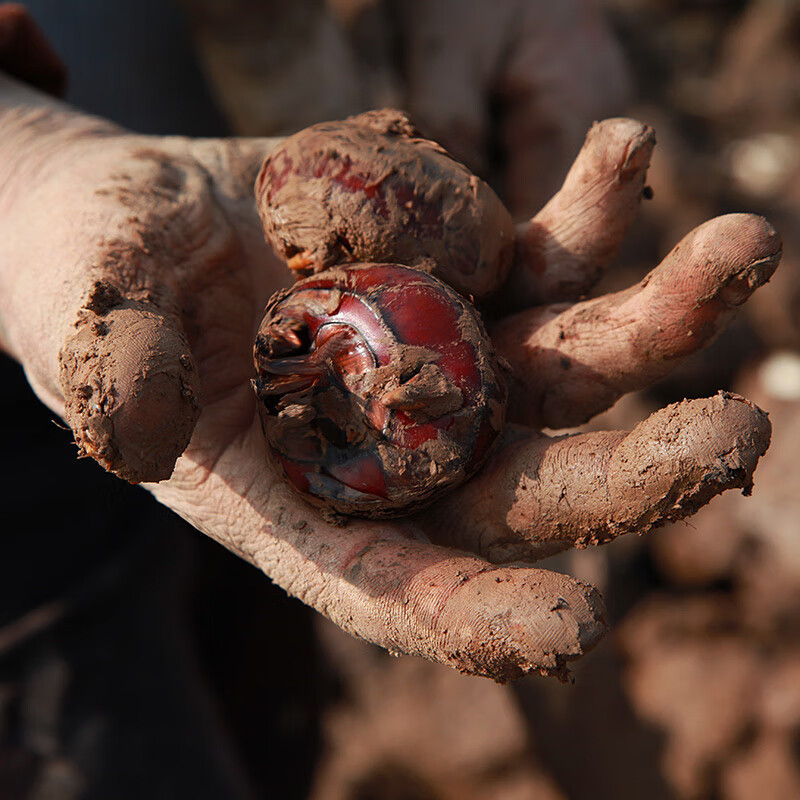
column 748, row 429
column 763, row 249
column 582, row 611
column 566, row 627
column 624, row 145
column 754, row 229
column 131, row 389
column 691, row 451
column 729, row 257
column 754, row 415
column 610, row 170
column 553, row 620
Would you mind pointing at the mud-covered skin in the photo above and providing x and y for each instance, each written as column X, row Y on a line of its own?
column 369, row 188
column 379, row 388
column 191, row 242
column 663, row 318
column 103, row 402
column 589, row 488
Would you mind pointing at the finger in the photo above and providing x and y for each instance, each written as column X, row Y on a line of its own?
column 133, row 261
column 233, row 165
column 130, row 385
column 570, row 363
column 563, row 251
column 381, row 581
column 540, row 495
column 172, row 255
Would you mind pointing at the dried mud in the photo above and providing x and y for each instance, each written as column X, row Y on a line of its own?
column 134, row 423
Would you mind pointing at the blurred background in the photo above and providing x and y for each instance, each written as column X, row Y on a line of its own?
column 139, row 660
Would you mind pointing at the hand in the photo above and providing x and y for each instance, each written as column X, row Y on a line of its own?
column 133, row 275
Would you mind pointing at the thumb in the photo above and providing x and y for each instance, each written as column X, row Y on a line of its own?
column 130, row 385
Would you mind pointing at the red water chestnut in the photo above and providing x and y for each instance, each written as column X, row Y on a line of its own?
column 378, row 387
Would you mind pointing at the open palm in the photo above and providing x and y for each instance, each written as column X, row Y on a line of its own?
column 138, row 276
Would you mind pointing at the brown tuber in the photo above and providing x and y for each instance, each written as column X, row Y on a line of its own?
column 370, row 189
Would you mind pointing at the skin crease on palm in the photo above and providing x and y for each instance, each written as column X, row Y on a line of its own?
column 171, row 224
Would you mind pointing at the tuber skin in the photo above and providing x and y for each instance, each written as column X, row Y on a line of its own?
column 171, row 222
column 370, row 189
column 378, row 388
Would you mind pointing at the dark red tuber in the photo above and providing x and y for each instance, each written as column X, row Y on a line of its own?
column 378, row 387
column 369, row 189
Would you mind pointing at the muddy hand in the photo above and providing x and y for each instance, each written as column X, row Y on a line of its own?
column 133, row 275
